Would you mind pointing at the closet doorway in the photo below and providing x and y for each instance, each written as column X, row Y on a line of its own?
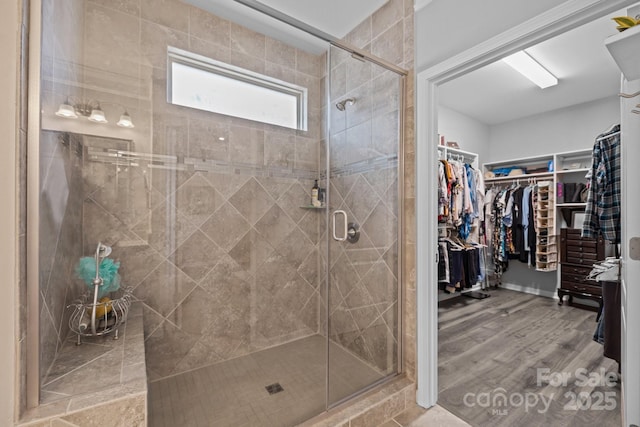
column 435, row 81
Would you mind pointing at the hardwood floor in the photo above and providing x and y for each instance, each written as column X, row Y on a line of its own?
column 501, row 360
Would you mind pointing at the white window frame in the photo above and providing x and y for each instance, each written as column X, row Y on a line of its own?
column 193, row 60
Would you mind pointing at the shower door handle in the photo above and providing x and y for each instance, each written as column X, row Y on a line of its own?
column 346, row 231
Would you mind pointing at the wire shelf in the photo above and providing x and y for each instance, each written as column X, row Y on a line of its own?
column 114, row 313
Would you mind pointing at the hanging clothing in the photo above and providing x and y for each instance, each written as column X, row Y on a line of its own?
column 460, row 197
column 443, row 263
column 460, row 207
column 602, row 214
column 443, row 192
column 511, row 228
column 531, row 229
column 458, row 267
column 518, row 230
column 527, row 209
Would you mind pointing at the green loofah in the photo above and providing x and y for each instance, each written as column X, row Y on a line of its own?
column 86, row 271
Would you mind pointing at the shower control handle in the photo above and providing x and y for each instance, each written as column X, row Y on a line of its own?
column 345, row 234
column 353, row 232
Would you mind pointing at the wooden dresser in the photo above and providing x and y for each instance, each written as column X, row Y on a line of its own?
column 577, row 255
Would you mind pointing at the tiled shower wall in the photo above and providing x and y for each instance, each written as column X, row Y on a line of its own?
column 60, row 238
column 213, row 292
column 364, row 153
column 388, row 34
column 216, row 244
column 60, row 187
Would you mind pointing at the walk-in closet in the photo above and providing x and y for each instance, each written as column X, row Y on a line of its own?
column 529, row 232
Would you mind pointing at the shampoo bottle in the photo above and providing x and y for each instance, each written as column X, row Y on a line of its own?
column 314, row 195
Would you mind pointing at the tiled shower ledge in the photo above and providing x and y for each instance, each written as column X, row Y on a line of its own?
column 102, row 376
column 371, row 409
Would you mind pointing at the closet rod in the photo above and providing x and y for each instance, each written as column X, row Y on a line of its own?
column 533, row 177
column 629, row 95
column 609, row 135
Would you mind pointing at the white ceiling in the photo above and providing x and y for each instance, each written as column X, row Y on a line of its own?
column 493, row 94
column 497, row 93
column 333, row 17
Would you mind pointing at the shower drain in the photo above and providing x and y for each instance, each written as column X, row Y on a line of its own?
column 274, row 388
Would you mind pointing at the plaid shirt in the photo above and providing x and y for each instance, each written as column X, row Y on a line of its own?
column 603, row 203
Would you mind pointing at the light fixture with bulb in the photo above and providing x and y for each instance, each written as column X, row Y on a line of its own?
column 523, row 63
column 125, row 121
column 92, row 110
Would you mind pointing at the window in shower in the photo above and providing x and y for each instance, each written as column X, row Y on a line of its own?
column 206, row 84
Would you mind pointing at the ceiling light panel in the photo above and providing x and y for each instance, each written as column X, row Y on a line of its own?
column 523, row 63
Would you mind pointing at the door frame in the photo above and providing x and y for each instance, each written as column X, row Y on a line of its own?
column 566, row 16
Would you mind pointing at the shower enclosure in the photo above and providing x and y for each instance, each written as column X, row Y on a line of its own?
column 259, row 307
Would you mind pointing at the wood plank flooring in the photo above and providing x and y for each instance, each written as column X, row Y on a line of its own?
column 492, row 353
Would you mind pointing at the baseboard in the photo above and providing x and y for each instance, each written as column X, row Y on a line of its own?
column 528, row 290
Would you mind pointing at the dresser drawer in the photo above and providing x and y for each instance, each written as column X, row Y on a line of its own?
column 576, row 278
column 581, row 288
column 576, row 270
column 588, row 245
column 582, row 259
column 581, row 254
column 578, row 250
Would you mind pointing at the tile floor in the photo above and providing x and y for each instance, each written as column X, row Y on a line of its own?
column 233, row 393
column 415, row 416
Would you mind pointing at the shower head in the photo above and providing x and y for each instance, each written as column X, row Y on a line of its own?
column 342, row 104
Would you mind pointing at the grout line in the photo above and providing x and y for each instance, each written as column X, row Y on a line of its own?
column 106, row 353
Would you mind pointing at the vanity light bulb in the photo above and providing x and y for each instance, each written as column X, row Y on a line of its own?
column 125, row 121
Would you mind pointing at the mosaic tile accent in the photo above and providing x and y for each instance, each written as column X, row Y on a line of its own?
column 243, row 397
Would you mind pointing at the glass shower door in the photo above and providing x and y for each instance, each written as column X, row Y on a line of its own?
column 363, row 276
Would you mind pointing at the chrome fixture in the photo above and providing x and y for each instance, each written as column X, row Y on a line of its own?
column 90, row 109
column 353, row 232
column 342, row 104
column 85, row 319
column 125, row 121
column 345, row 233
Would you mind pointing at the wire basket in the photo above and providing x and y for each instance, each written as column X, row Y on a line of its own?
column 92, row 318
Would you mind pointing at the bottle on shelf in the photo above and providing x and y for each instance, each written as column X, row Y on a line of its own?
column 314, row 195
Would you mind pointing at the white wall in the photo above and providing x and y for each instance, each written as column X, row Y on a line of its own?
column 566, row 129
column 445, row 28
column 470, row 134
column 9, row 36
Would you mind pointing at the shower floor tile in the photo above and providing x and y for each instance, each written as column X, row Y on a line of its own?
column 233, row 393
